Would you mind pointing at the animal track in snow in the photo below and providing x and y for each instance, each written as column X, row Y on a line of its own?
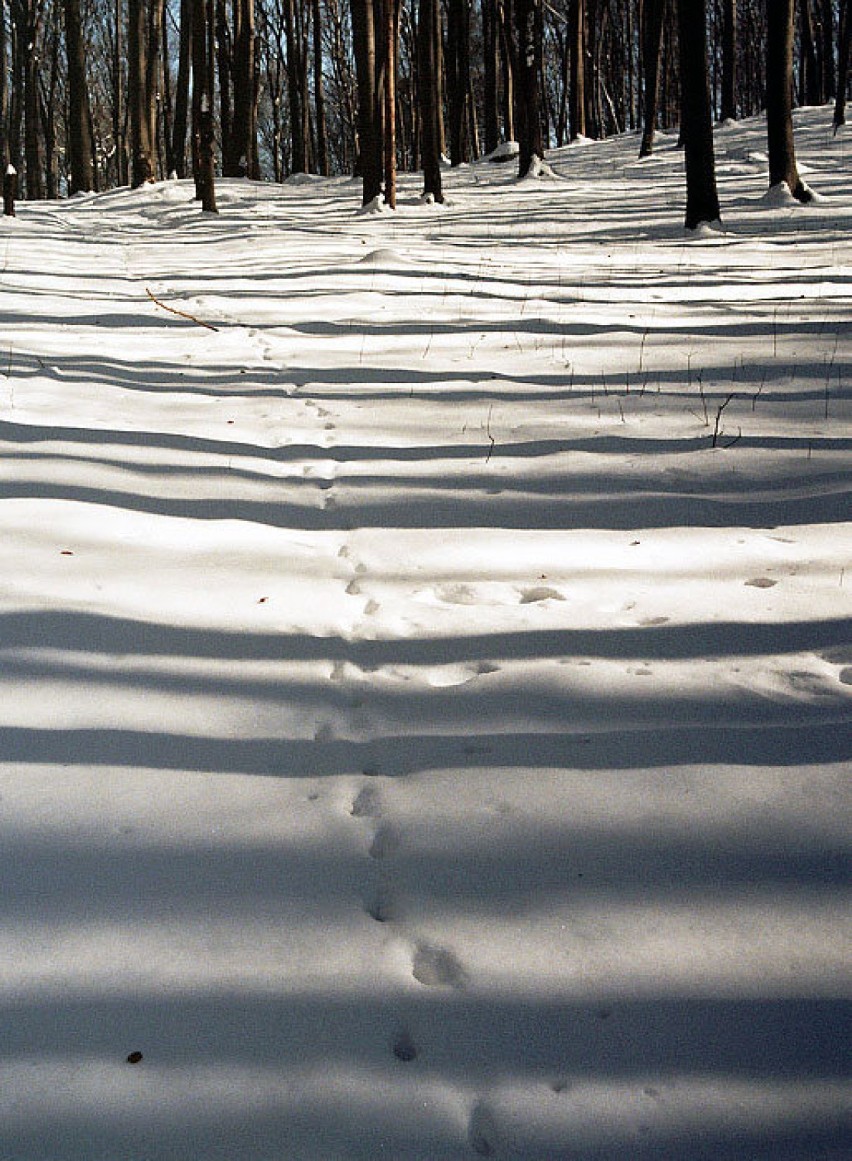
column 385, row 842
column 482, row 1131
column 437, row 967
column 367, row 803
column 761, row 582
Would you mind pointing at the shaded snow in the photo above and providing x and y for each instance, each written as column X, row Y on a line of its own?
column 425, row 668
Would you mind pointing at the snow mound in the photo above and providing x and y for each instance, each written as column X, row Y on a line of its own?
column 505, row 151
column 382, row 257
column 376, row 205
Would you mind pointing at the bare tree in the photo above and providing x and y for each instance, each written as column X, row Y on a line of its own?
column 702, row 199
column 779, row 100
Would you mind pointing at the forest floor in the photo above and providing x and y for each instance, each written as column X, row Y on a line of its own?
column 426, row 668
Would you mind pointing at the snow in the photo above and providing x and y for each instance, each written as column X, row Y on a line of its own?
column 425, row 668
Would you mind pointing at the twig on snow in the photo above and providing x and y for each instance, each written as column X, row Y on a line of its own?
column 181, row 313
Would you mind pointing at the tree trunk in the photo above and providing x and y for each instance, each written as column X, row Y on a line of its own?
column 458, row 77
column 843, row 63
column 141, row 145
column 80, row 145
column 33, row 151
column 299, row 150
column 390, row 37
column 243, row 144
column 702, row 199
column 202, row 106
column 319, row 91
column 779, row 100
column 577, row 99
column 427, row 92
column 181, row 114
column 652, row 51
column 527, row 70
column 809, row 78
column 490, row 97
column 729, row 60
column 369, row 133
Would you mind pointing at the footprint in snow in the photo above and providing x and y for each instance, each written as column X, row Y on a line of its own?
column 385, row 842
column 761, row 582
column 482, row 1131
column 367, row 803
column 445, row 676
column 437, row 967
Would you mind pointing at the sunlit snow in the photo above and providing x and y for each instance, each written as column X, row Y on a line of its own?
column 426, row 667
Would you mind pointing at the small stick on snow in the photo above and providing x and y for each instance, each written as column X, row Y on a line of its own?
column 181, row 313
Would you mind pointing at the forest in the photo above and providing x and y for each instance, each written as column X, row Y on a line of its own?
column 97, row 94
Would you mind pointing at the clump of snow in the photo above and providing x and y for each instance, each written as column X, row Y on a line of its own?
column 538, row 168
column 779, row 197
column 376, row 205
column 505, row 151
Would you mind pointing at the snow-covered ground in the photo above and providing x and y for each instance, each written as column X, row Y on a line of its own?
column 425, row 688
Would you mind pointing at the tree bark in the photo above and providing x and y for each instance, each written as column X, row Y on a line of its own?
column 427, row 92
column 729, row 60
column 181, row 114
column 202, row 106
column 845, row 36
column 141, row 144
column 652, row 52
column 702, row 199
column 390, row 37
column 527, row 70
column 779, row 100
column 80, row 144
column 577, row 53
column 369, row 131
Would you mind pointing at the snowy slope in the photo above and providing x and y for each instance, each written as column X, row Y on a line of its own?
column 426, row 668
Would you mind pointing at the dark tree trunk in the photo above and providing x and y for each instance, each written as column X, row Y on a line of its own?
column 369, row 129
column 181, row 114
column 457, row 66
column 118, row 125
column 702, row 199
column 809, row 73
column 202, row 106
column 427, row 92
column 490, row 78
column 390, row 38
column 779, row 100
column 80, row 144
column 299, row 150
column 33, row 151
column 319, row 91
column 843, row 63
column 243, row 137
column 729, row 60
column 652, row 52
column 527, row 70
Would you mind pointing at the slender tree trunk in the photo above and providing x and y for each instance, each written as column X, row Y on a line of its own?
column 299, row 151
column 80, row 143
column 141, row 145
column 33, row 147
column 243, row 144
column 391, row 37
column 181, row 115
column 490, row 76
column 427, row 92
column 369, row 133
column 652, row 51
column 202, row 106
column 319, row 91
column 577, row 52
column 119, row 98
column 4, row 100
column 779, row 100
column 845, row 36
column 729, row 60
column 809, row 93
column 702, row 199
